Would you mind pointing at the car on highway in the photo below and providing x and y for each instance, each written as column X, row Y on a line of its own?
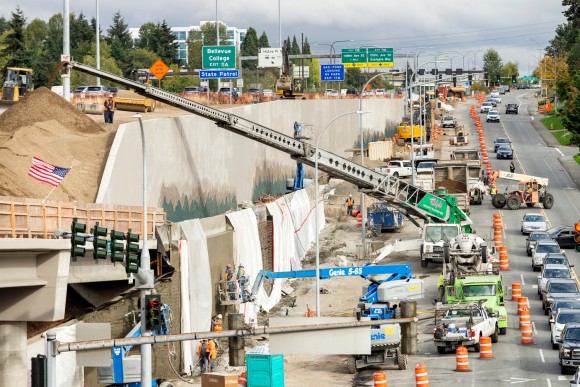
column 557, row 259
column 494, row 94
column 559, row 288
column 540, row 251
column 496, row 99
column 492, row 101
column 380, row 92
column 504, row 152
column 560, row 303
column 500, row 141
column 533, row 222
column 562, row 317
column 368, row 93
column 448, row 122
column 569, row 354
column 551, row 271
column 501, row 90
column 533, row 238
column 269, row 93
column 564, row 236
column 511, row 108
column 256, row 92
column 486, row 106
column 331, row 93
column 352, row 91
column 492, row 116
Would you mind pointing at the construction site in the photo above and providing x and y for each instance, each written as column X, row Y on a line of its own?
column 223, row 193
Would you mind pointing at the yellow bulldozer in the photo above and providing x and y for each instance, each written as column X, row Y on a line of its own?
column 17, row 84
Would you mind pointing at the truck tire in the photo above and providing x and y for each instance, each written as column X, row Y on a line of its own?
column 548, row 201
column 502, row 331
column 484, row 253
column 498, row 201
column 513, row 202
column 495, row 337
column 441, row 350
column 424, row 262
column 401, row 360
column 396, row 174
column 446, row 255
column 351, row 364
column 477, row 346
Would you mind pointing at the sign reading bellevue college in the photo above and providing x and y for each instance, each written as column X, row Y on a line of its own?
column 218, row 57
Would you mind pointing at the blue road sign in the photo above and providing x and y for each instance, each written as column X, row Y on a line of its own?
column 332, row 72
column 214, row 74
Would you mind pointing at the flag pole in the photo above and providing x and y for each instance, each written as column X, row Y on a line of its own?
column 53, row 188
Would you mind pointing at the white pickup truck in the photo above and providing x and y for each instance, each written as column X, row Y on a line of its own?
column 448, row 122
column 463, row 324
column 397, row 168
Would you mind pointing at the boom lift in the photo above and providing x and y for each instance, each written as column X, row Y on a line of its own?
column 378, row 301
column 409, row 199
column 530, row 190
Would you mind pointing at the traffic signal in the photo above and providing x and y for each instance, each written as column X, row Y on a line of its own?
column 153, row 312
column 513, row 79
column 454, row 81
column 117, row 247
column 131, row 255
column 77, row 242
column 470, row 78
column 577, row 236
column 99, row 242
column 458, row 71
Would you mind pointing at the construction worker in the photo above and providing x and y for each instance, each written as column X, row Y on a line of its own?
column 297, row 130
column 211, row 355
column 512, row 167
column 493, row 191
column 242, row 281
column 109, row 110
column 441, row 288
column 229, row 276
column 217, row 323
column 529, row 192
column 349, row 205
column 202, row 354
column 229, row 273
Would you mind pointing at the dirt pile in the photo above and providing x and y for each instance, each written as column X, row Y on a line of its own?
column 46, row 126
column 42, row 105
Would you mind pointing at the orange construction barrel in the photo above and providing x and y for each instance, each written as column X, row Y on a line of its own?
column 461, row 359
column 421, row 377
column 380, row 379
column 503, row 258
column 527, row 337
column 516, row 291
column 522, row 304
column 485, row 347
column 359, row 219
column 243, row 379
column 525, row 318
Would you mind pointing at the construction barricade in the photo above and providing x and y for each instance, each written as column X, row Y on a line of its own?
column 525, row 318
column 461, row 359
column 527, row 337
column 421, row 377
column 522, row 304
column 516, row 291
column 485, row 347
column 380, row 379
column 243, row 379
column 503, row 258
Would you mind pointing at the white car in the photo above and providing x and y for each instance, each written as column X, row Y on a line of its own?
column 540, row 251
column 331, row 93
column 533, row 222
column 368, row 93
column 562, row 317
column 494, row 94
column 492, row 115
column 380, row 92
column 486, row 107
column 551, row 271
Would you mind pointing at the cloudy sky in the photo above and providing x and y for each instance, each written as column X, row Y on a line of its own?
column 517, row 29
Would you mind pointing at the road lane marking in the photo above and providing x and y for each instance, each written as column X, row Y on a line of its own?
column 559, row 151
column 534, row 286
column 542, row 357
column 513, row 380
column 523, row 282
column 550, row 383
column 560, row 377
column 535, row 333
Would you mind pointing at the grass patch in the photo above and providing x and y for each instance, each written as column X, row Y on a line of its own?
column 577, row 158
column 552, row 123
column 563, row 137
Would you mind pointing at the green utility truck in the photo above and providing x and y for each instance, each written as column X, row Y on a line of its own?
column 481, row 286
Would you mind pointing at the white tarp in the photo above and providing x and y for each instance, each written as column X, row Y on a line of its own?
column 196, row 292
column 67, row 372
column 248, row 252
column 302, row 211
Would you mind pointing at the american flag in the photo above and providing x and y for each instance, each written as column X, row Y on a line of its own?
column 46, row 172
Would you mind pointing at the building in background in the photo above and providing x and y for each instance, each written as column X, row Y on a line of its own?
column 234, row 37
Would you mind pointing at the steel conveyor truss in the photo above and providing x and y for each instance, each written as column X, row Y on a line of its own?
column 409, row 199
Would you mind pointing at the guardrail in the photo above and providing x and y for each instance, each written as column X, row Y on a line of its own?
column 31, row 218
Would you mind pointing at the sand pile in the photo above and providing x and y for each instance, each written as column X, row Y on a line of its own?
column 46, row 126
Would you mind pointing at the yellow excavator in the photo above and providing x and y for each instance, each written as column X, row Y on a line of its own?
column 287, row 86
column 18, row 83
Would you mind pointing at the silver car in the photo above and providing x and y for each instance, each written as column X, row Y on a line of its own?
column 539, row 251
column 551, row 271
column 533, row 222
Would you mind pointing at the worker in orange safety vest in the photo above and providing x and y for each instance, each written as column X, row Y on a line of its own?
column 349, row 205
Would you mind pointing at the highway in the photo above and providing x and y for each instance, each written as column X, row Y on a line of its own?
column 512, row 363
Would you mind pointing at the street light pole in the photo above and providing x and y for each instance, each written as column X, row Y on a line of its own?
column 145, row 277
column 337, row 41
column 316, row 215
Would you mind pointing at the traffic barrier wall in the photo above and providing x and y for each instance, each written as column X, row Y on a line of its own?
column 527, row 337
column 380, row 379
column 421, row 376
column 516, row 291
column 485, row 351
column 525, row 318
column 461, row 359
column 522, row 304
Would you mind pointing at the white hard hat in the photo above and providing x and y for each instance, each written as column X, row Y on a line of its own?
column 219, row 316
column 350, row 196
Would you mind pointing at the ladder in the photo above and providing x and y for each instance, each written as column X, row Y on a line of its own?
column 410, row 200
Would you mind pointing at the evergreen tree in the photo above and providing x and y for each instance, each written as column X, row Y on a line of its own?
column 53, row 42
column 38, row 59
column 249, row 47
column 167, row 48
column 119, row 39
column 15, row 41
column 81, row 36
column 571, row 116
column 306, row 48
column 208, row 32
column 295, row 48
column 146, row 36
column 4, row 26
column 194, row 44
column 492, row 64
column 263, row 41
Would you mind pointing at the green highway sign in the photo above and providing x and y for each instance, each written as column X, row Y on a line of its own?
column 380, row 57
column 218, row 57
column 354, row 57
column 367, row 57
